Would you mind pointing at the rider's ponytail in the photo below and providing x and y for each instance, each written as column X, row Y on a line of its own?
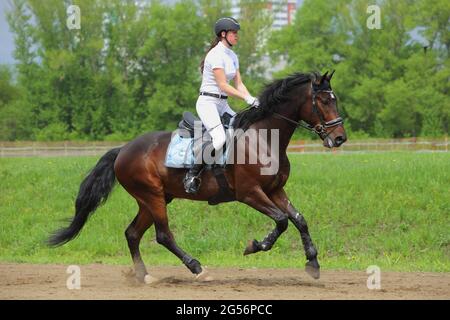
column 213, row 44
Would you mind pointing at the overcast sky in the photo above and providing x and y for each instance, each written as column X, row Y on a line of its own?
column 6, row 38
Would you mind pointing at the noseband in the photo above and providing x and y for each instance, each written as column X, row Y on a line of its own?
column 319, row 129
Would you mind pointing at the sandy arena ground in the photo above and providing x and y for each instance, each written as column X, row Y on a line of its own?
column 34, row 281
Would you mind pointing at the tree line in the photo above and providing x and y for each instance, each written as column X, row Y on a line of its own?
column 133, row 67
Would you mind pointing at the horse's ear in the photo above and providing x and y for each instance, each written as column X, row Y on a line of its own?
column 323, row 77
column 331, row 75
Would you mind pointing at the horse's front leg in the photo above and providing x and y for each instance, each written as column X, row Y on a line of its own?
column 282, row 201
column 261, row 202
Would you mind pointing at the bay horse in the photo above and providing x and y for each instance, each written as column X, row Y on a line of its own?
column 299, row 100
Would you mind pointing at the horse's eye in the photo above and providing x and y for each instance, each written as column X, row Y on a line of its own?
column 325, row 101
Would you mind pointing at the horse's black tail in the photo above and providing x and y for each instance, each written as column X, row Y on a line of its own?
column 94, row 191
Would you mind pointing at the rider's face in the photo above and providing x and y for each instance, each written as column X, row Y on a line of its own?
column 232, row 37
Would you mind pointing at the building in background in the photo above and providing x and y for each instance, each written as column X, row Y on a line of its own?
column 283, row 11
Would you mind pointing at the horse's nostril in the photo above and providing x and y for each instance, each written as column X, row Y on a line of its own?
column 339, row 140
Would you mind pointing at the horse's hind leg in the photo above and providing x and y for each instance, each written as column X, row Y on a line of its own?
column 165, row 237
column 134, row 233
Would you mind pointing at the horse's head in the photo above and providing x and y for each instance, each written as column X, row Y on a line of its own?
column 323, row 115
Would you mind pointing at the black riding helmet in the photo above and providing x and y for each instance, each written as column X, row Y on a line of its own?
column 226, row 24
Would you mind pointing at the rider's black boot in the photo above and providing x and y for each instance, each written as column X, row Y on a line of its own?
column 192, row 179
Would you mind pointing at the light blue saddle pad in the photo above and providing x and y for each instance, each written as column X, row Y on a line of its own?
column 180, row 154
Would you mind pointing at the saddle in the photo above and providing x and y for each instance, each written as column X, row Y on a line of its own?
column 186, row 129
column 187, row 123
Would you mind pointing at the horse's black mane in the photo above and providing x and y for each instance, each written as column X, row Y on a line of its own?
column 273, row 94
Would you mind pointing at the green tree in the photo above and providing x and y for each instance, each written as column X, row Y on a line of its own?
column 256, row 22
column 386, row 83
column 173, row 49
column 14, row 114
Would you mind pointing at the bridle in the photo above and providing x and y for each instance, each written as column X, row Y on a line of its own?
column 319, row 129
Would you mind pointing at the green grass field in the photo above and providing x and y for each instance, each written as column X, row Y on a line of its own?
column 385, row 209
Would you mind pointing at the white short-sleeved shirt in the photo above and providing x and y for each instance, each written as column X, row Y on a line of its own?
column 219, row 57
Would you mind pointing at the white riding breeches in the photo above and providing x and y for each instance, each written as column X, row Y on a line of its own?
column 210, row 109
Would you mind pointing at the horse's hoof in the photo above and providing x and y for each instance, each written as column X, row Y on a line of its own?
column 313, row 269
column 252, row 247
column 203, row 276
column 132, row 278
column 148, row 279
